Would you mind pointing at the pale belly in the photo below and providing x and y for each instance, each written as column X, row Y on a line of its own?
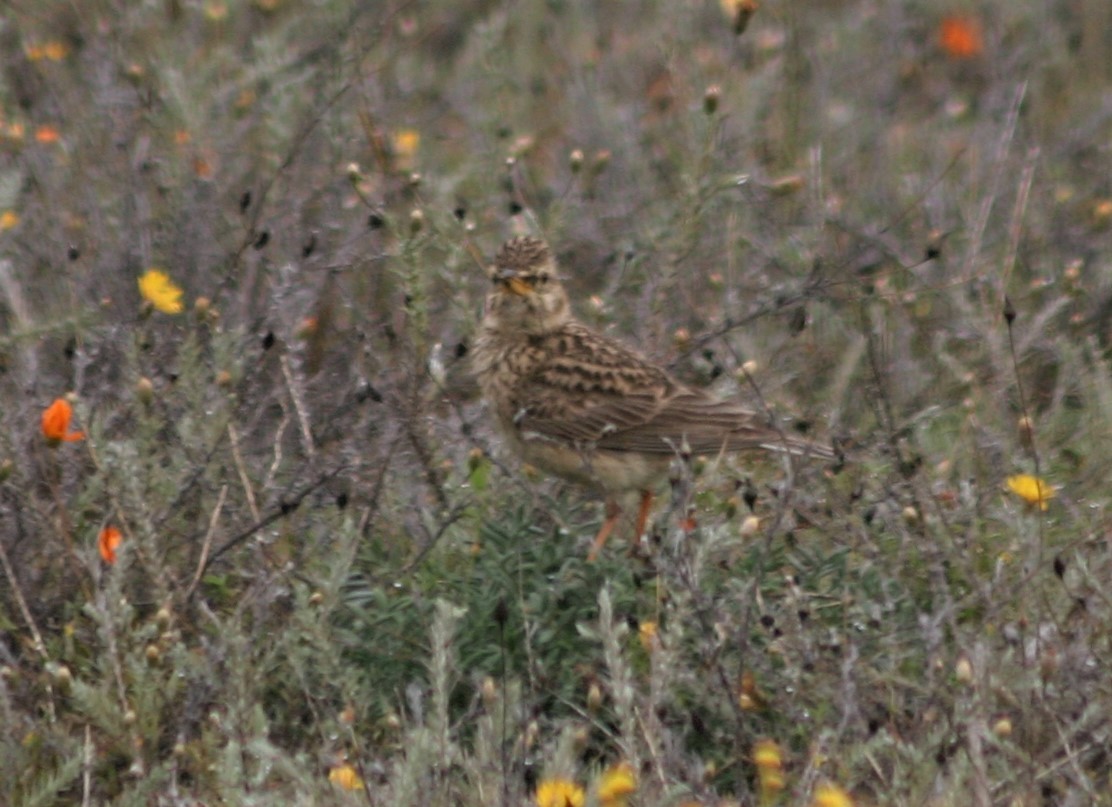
column 609, row 471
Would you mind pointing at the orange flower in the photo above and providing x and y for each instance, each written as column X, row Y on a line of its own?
column 960, row 37
column 107, row 543
column 56, row 422
column 47, row 134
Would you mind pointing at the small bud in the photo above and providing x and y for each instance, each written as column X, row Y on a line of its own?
column 144, row 390
column 601, row 160
column 392, row 722
column 153, row 655
column 489, row 692
column 1002, row 728
column 581, row 737
column 130, row 717
column 710, row 99
column 163, row 617
column 1026, row 430
column 594, row 697
column 6, row 468
column 201, row 307
column 353, row 173
column 733, row 505
column 963, row 671
column 575, row 160
column 681, row 337
column 61, row 676
column 474, row 459
column 347, row 715
column 532, row 734
column 910, row 515
column 415, row 179
column 1009, row 310
column 223, row 379
column 316, row 598
column 785, row 186
column 416, row 221
column 750, row 526
column 307, row 327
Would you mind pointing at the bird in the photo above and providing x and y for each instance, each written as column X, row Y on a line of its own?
column 581, row 406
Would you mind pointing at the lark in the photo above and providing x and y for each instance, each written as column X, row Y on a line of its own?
column 583, row 407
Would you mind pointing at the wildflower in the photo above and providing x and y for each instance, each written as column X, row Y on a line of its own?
column 56, row 422
column 830, row 795
column 647, row 633
column 51, row 50
column 770, row 770
column 54, row 50
column 559, row 793
column 158, row 290
column 405, row 143
column 47, row 134
column 346, row 777
column 107, row 543
column 617, row 782
column 960, row 37
column 1034, row 491
column 8, row 219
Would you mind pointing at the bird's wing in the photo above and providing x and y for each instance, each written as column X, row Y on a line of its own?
column 589, row 390
column 586, row 389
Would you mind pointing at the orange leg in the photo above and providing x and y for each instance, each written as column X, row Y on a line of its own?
column 643, row 516
column 612, row 513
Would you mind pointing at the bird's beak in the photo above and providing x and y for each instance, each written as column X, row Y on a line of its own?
column 514, row 284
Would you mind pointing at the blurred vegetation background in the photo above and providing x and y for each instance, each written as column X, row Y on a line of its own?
column 287, row 561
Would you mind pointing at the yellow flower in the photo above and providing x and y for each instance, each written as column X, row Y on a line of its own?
column 158, row 290
column 830, row 795
column 559, row 793
column 617, row 782
column 647, row 633
column 54, row 50
column 345, row 776
column 405, row 143
column 770, row 770
column 1031, row 489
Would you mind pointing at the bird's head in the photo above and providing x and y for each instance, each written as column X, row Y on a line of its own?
column 526, row 294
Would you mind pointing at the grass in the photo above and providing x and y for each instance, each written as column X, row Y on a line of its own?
column 334, row 586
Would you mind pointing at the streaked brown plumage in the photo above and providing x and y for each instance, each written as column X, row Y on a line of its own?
column 579, row 405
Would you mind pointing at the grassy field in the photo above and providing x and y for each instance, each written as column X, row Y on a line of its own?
column 277, row 554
